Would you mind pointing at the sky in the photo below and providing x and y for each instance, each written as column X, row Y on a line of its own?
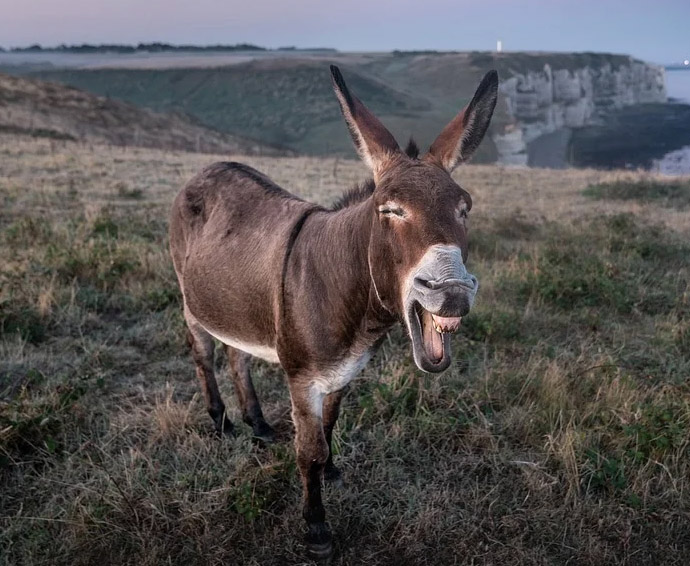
column 655, row 31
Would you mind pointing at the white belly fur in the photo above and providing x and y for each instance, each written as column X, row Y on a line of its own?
column 259, row 350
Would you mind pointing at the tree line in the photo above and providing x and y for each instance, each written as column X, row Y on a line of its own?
column 154, row 47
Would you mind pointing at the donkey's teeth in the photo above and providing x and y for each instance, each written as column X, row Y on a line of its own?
column 446, row 324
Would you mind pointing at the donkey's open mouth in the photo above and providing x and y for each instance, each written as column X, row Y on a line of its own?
column 431, row 337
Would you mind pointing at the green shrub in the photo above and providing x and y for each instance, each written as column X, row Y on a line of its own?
column 161, row 299
column 659, row 429
column 31, row 423
column 23, row 320
column 105, row 226
column 96, row 262
column 602, row 472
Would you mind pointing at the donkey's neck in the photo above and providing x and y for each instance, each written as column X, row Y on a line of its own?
column 328, row 282
column 339, row 246
column 352, row 227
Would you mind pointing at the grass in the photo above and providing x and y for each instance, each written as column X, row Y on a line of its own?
column 670, row 193
column 560, row 434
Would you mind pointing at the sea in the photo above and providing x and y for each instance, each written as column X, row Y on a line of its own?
column 678, row 89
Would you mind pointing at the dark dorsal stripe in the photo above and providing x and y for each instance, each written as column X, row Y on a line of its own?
column 264, row 182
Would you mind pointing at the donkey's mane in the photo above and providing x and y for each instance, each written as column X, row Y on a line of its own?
column 412, row 149
column 363, row 191
column 356, row 194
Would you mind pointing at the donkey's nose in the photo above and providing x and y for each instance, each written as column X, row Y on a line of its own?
column 424, row 285
column 421, row 284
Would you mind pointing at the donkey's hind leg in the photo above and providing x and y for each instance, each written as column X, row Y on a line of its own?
column 238, row 366
column 203, row 350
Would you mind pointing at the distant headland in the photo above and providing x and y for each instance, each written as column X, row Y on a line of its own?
column 154, row 47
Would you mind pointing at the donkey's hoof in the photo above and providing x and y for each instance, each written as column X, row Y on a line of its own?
column 319, row 550
column 264, row 432
column 319, row 541
column 225, row 429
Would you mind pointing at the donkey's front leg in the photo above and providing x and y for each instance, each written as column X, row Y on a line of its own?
column 331, row 408
column 312, row 454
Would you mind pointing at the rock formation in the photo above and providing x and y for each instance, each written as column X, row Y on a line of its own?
column 545, row 101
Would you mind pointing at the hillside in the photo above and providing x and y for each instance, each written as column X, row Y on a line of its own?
column 285, row 99
column 281, row 101
column 559, row 435
column 46, row 109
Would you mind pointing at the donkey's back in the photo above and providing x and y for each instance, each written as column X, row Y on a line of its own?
column 228, row 232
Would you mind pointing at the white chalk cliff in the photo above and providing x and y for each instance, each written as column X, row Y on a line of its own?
column 543, row 102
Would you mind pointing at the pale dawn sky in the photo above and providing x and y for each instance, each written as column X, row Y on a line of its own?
column 654, row 31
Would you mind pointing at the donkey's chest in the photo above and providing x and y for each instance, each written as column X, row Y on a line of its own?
column 337, row 376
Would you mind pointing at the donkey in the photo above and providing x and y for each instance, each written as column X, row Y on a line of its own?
column 316, row 289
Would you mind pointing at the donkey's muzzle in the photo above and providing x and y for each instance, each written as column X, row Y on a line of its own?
column 448, row 298
column 442, row 284
column 439, row 294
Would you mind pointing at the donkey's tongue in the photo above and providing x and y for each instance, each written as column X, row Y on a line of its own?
column 433, row 341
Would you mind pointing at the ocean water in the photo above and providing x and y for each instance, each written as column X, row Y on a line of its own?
column 678, row 85
column 677, row 162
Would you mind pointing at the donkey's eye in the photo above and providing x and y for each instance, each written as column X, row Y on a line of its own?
column 462, row 213
column 391, row 211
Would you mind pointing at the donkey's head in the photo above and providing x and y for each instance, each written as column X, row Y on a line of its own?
column 418, row 244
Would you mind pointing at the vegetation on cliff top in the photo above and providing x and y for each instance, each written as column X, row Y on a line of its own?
column 153, row 47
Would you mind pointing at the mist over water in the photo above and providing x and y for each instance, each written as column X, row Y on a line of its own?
column 678, row 85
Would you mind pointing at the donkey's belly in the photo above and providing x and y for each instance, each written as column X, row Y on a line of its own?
column 236, row 317
column 259, row 350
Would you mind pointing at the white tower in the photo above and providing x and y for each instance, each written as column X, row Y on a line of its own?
column 499, row 46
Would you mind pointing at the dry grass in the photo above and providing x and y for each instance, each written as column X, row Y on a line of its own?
column 560, row 434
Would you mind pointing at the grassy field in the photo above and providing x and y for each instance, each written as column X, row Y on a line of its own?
column 560, row 434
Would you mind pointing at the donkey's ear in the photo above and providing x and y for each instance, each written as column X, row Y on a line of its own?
column 461, row 137
column 374, row 143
